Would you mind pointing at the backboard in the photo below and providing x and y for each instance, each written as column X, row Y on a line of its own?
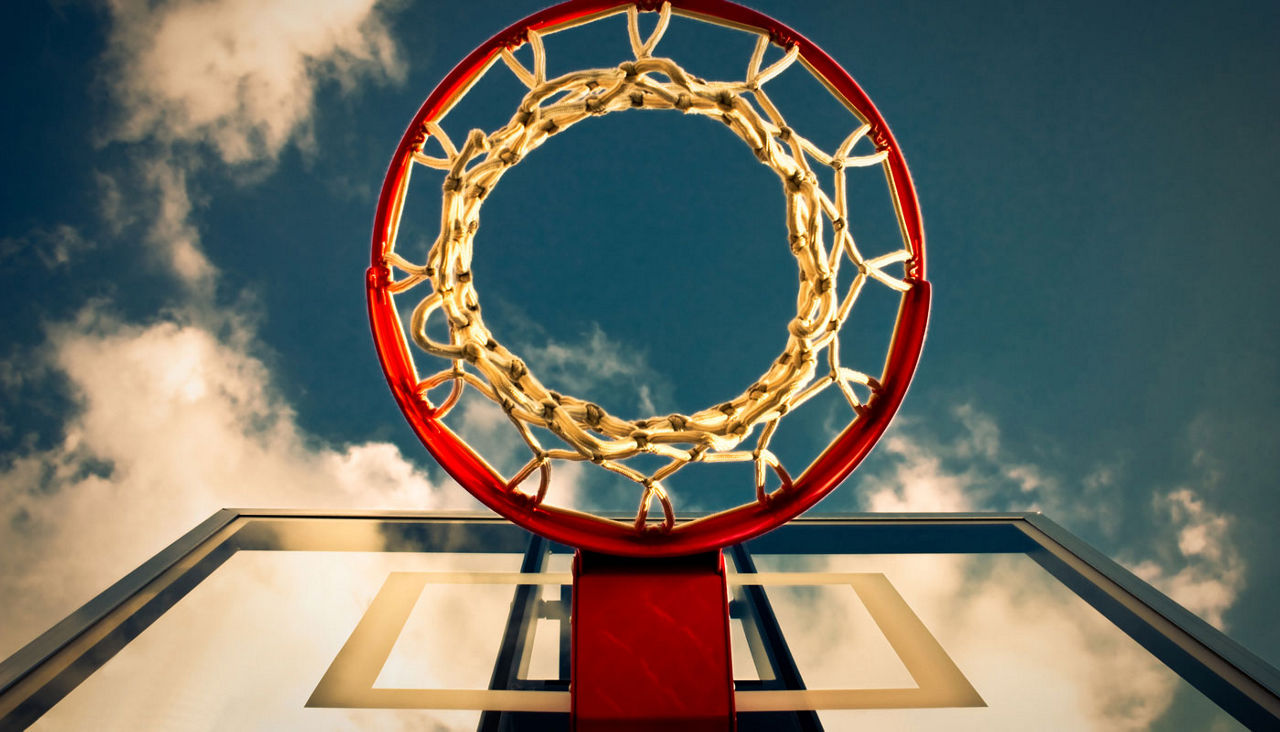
column 270, row 620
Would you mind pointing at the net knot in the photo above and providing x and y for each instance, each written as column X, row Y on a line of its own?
column 678, row 422
column 477, row 140
column 509, row 157
column 725, row 99
column 420, row 135
column 628, row 70
column 517, row 369
column 594, row 415
column 799, row 328
column 452, row 183
column 683, row 102
column 637, row 98
column 594, row 105
column 641, row 437
column 471, row 352
column 550, row 127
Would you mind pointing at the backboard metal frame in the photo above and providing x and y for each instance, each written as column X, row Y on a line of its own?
column 40, row 674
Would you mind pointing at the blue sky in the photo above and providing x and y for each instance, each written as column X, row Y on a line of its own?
column 185, row 227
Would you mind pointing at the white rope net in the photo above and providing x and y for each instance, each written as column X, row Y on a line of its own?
column 587, row 431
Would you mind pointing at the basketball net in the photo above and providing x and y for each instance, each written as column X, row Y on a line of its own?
column 819, row 238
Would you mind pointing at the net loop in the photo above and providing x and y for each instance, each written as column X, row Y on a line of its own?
column 653, row 489
column 455, row 390
column 645, row 48
column 542, row 464
column 763, row 459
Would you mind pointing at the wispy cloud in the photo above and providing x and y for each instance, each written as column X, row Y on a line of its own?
column 594, row 366
column 53, row 247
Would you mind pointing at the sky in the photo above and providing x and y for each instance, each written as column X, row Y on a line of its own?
column 185, row 229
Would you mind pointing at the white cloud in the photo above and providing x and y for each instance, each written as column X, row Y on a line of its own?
column 235, row 77
column 171, row 231
column 240, row 75
column 960, row 474
column 983, row 436
column 917, row 482
column 173, row 424
column 1210, row 571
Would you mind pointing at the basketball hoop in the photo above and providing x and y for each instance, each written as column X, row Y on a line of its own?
column 738, row 430
column 640, row 580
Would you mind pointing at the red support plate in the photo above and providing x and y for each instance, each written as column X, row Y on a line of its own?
column 651, row 644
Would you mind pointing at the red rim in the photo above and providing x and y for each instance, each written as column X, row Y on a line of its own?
column 590, row 532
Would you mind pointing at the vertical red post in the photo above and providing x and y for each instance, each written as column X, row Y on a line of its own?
column 651, row 644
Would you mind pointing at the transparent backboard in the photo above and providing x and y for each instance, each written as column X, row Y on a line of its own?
column 309, row 622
